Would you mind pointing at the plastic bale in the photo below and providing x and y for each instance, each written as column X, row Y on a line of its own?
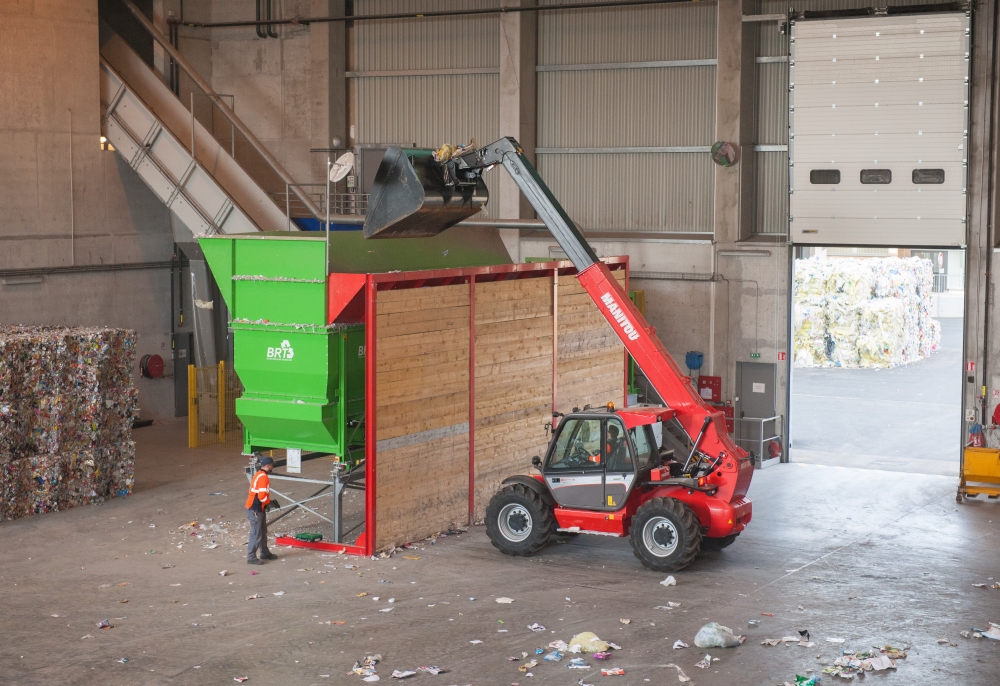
column 79, row 485
column 14, row 428
column 120, row 460
column 46, row 477
column 15, row 486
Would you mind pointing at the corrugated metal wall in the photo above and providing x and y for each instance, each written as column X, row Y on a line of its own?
column 427, row 110
column 429, row 43
column 629, row 106
column 771, row 126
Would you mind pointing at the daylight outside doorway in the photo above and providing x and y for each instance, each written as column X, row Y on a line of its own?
column 876, row 375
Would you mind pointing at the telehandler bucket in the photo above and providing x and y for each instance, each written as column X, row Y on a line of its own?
column 412, row 198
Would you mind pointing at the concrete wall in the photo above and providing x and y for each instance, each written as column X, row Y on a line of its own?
column 282, row 86
column 67, row 203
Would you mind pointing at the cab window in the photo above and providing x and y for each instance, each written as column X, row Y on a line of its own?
column 645, row 446
column 619, row 453
column 578, row 446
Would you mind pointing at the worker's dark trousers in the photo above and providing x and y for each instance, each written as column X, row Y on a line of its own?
column 257, row 540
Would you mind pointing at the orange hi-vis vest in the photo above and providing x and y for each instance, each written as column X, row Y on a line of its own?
column 260, row 486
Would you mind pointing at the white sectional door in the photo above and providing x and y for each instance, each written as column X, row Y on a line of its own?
column 878, row 130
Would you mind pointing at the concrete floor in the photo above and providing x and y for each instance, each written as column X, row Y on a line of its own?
column 873, row 558
column 903, row 419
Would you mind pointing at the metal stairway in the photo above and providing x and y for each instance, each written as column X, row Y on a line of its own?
column 209, row 192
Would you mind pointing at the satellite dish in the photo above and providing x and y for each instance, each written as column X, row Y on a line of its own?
column 342, row 167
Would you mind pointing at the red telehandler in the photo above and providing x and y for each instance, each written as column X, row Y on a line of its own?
column 603, row 472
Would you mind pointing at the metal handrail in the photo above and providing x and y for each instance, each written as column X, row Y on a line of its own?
column 759, row 440
column 179, row 59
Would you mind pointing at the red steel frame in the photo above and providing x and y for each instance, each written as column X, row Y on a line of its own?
column 365, row 299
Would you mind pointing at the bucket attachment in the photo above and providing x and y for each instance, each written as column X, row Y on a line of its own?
column 416, row 196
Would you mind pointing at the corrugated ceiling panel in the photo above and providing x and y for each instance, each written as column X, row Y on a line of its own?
column 668, row 192
column 429, row 43
column 626, row 107
column 772, row 192
column 626, row 34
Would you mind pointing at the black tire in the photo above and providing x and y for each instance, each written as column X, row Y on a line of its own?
column 518, row 521
column 665, row 535
column 718, row 543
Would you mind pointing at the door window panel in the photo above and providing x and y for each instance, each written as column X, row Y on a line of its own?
column 578, row 446
column 619, row 454
column 645, row 446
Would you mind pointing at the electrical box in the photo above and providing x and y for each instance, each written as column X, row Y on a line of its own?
column 728, row 411
column 710, row 388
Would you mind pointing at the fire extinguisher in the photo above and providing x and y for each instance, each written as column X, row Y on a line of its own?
column 774, row 448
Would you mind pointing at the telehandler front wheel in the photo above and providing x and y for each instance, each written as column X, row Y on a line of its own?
column 665, row 535
column 518, row 521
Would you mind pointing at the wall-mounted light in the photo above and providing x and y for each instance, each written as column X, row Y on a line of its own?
column 106, row 145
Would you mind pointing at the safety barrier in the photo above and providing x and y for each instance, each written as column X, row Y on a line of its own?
column 212, row 394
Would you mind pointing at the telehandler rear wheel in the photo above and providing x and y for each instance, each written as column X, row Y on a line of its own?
column 518, row 521
column 665, row 535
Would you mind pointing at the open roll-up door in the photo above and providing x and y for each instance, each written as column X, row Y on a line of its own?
column 878, row 136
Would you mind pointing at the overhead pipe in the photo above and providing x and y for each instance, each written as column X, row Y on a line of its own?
column 270, row 27
column 223, row 107
column 440, row 13
column 260, row 27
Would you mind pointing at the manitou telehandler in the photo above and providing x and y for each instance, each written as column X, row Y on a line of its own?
column 603, row 472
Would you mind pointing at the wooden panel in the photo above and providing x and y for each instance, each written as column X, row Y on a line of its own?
column 591, row 364
column 422, row 392
column 422, row 489
column 422, row 396
column 513, row 380
column 422, row 359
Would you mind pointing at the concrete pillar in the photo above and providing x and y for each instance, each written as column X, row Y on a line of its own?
column 328, row 55
column 518, row 105
column 733, row 118
column 734, row 121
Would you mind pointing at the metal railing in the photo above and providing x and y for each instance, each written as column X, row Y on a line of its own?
column 948, row 282
column 217, row 101
column 753, row 434
column 212, row 394
column 341, row 204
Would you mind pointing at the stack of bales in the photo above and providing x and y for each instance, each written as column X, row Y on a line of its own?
column 871, row 313
column 67, row 402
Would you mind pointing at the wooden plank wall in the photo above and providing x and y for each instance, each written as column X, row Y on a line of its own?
column 513, row 380
column 422, row 425
column 591, row 360
column 422, row 392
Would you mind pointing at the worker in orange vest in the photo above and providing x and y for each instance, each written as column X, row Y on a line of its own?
column 257, row 501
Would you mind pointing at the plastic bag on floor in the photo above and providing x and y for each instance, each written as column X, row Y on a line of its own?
column 714, row 635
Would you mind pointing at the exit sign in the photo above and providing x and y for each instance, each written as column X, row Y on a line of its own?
column 754, row 355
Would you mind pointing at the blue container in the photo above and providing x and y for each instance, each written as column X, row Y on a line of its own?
column 694, row 359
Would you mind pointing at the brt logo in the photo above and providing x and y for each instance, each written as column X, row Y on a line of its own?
column 285, row 352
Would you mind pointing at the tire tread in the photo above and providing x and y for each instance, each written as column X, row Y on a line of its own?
column 691, row 532
column 546, row 521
